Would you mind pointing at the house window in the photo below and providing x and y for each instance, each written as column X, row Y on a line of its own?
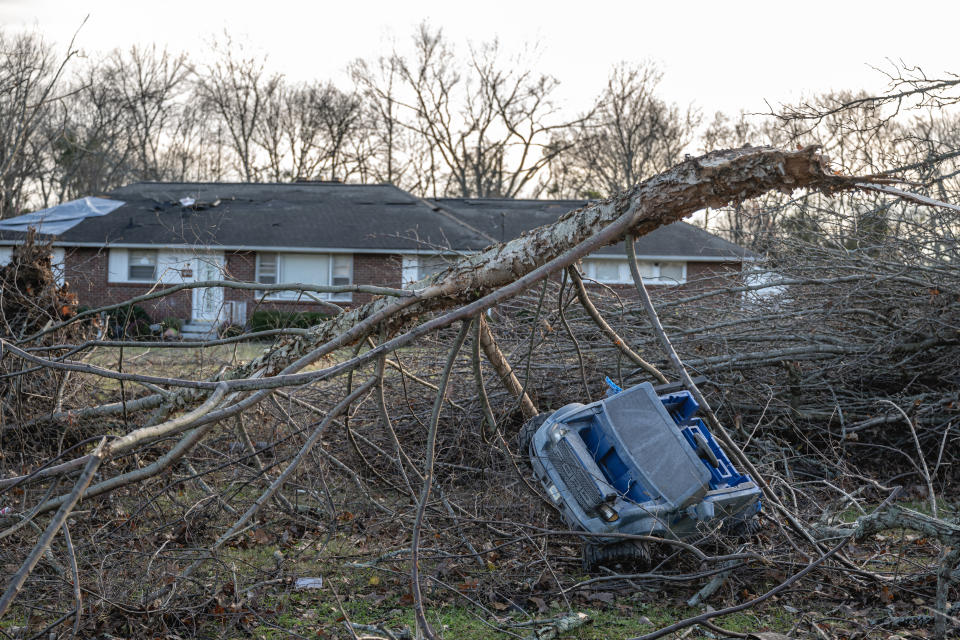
column 142, row 265
column 608, row 270
column 673, row 272
column 429, row 265
column 267, row 268
column 617, row 271
column 341, row 269
column 305, row 268
column 419, row 266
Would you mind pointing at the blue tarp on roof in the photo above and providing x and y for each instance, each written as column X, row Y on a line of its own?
column 55, row 220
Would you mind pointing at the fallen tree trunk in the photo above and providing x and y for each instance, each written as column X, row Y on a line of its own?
column 713, row 180
column 482, row 280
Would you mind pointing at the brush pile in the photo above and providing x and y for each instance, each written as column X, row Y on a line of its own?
column 30, row 296
column 31, row 301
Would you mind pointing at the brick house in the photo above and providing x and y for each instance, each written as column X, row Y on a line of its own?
column 149, row 234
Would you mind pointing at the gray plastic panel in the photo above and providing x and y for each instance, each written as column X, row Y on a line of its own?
column 579, row 483
column 649, row 435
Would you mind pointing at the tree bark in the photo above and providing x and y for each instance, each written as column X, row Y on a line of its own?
column 713, row 180
column 504, row 370
column 503, row 270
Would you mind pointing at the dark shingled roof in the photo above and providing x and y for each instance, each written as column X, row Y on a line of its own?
column 504, row 218
column 312, row 215
column 332, row 215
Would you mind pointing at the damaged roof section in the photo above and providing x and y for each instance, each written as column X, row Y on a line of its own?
column 55, row 221
column 310, row 215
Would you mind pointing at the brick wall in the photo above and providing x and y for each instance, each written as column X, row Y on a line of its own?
column 240, row 265
column 702, row 276
column 85, row 271
column 375, row 268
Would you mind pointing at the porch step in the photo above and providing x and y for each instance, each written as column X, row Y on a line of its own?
column 198, row 331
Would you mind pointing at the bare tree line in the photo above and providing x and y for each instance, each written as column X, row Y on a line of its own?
column 443, row 121
column 437, row 120
column 837, row 369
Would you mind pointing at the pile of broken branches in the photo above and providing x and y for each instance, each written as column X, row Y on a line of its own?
column 379, row 444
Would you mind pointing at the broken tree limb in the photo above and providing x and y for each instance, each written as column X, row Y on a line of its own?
column 504, row 371
column 489, row 421
column 607, row 330
column 713, row 586
column 712, row 180
column 58, row 520
column 557, row 627
column 897, row 517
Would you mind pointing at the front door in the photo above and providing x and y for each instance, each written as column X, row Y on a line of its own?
column 208, row 301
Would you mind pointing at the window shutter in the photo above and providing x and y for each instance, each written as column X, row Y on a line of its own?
column 117, row 265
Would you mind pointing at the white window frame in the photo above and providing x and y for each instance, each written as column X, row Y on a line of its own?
column 589, row 270
column 411, row 266
column 130, row 265
column 259, row 269
column 292, row 295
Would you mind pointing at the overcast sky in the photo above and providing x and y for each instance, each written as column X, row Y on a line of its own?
column 720, row 55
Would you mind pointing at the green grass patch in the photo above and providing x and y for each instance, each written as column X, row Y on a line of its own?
column 318, row 613
column 850, row 514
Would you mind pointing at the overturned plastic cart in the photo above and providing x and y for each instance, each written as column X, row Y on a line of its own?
column 637, row 462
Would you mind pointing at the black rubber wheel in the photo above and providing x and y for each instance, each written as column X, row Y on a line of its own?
column 627, row 553
column 525, row 435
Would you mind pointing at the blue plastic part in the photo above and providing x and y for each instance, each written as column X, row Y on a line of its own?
column 612, row 387
column 725, row 475
column 680, row 405
column 683, row 408
column 612, row 465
